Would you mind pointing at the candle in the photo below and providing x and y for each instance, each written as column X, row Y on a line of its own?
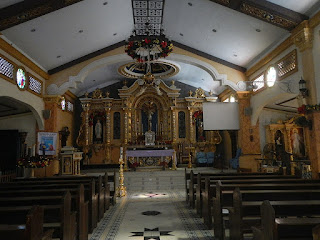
column 121, row 152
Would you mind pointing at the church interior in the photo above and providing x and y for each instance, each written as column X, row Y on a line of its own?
column 159, row 119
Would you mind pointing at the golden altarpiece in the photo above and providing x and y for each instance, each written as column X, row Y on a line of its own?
column 148, row 105
column 288, row 138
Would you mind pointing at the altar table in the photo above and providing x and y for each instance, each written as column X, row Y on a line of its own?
column 151, row 153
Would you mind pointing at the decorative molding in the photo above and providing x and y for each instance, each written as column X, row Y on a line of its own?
column 22, row 58
column 27, row 10
column 302, row 36
column 243, row 94
column 268, row 16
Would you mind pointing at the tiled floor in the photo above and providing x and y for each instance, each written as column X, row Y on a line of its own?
column 151, row 215
column 154, row 208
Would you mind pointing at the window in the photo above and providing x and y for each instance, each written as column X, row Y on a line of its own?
column 182, row 124
column 21, row 78
column 63, row 103
column 116, row 125
column 271, row 76
column 258, row 83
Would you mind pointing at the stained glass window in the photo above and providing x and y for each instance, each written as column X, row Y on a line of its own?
column 21, row 78
column 116, row 126
column 271, row 76
column 182, row 124
column 63, row 104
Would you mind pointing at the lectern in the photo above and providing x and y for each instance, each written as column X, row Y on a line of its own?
column 70, row 161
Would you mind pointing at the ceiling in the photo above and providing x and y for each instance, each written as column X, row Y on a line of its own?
column 222, row 31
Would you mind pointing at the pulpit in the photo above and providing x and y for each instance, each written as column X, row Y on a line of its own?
column 70, row 161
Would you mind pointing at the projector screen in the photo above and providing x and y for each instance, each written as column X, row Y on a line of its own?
column 220, row 116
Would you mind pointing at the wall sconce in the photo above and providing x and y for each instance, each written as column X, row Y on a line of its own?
column 302, row 88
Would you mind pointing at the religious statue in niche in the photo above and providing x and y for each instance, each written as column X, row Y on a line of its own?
column 279, row 144
column 149, row 108
column 198, row 121
column 64, row 134
column 97, row 120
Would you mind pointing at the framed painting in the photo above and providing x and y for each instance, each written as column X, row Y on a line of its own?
column 47, row 143
column 297, row 142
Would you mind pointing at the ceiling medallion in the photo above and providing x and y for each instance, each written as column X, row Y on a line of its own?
column 158, row 69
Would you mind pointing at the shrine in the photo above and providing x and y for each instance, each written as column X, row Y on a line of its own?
column 149, row 120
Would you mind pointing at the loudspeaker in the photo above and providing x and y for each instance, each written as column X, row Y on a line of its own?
column 247, row 111
column 46, row 114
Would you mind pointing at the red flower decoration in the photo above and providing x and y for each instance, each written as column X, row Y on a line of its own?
column 164, row 44
column 147, row 41
column 302, row 109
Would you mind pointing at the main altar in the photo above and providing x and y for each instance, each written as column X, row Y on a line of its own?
column 147, row 114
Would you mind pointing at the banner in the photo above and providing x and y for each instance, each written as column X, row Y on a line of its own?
column 47, row 143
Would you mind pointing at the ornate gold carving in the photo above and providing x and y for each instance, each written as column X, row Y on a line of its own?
column 199, row 93
column 303, row 39
column 264, row 15
column 97, row 94
column 148, row 78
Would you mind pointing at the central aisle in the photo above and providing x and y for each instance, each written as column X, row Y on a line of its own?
column 151, row 215
column 154, row 208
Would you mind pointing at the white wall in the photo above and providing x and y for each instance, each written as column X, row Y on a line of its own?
column 34, row 102
column 316, row 59
column 267, row 117
column 22, row 122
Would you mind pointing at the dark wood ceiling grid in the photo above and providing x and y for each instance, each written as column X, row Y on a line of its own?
column 266, row 11
column 29, row 9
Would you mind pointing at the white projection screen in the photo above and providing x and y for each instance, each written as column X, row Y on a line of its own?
column 220, row 116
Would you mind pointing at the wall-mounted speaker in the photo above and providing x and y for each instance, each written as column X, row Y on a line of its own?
column 46, row 114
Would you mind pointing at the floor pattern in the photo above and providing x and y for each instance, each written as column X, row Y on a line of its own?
column 159, row 215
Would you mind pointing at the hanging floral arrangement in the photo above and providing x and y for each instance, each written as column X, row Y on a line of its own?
column 197, row 115
column 308, row 108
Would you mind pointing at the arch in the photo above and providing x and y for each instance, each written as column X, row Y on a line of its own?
column 73, row 81
column 33, row 102
column 270, row 95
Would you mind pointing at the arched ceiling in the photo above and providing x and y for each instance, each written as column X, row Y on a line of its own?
column 72, row 31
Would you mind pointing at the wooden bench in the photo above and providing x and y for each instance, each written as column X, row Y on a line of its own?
column 54, row 188
column 80, row 206
column 274, row 228
column 216, row 204
column 57, row 213
column 29, row 227
column 196, row 194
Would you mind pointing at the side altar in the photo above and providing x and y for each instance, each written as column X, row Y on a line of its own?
column 147, row 113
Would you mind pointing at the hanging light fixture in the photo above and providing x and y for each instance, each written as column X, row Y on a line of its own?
column 148, row 42
column 302, row 88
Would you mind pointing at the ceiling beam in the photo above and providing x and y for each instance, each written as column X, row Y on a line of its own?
column 266, row 11
column 29, row 9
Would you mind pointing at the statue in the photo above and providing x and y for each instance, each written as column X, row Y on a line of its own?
column 98, row 130
column 64, row 134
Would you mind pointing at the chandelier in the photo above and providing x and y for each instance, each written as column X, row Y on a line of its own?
column 145, row 48
column 148, row 42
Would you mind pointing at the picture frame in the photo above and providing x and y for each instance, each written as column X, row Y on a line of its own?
column 47, row 143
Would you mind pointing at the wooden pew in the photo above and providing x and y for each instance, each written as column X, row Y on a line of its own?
column 57, row 213
column 53, row 187
column 215, row 191
column 274, row 228
column 80, row 206
column 194, row 189
column 30, row 227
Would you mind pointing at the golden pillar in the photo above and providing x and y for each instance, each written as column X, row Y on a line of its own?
column 121, row 190
column 191, row 134
column 174, row 129
column 108, row 128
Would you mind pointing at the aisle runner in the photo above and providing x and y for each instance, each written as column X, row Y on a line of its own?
column 151, row 215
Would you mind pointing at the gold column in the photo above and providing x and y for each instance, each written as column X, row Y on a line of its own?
column 108, row 127
column 174, row 129
column 121, row 191
column 191, row 136
column 126, row 124
column 86, row 107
